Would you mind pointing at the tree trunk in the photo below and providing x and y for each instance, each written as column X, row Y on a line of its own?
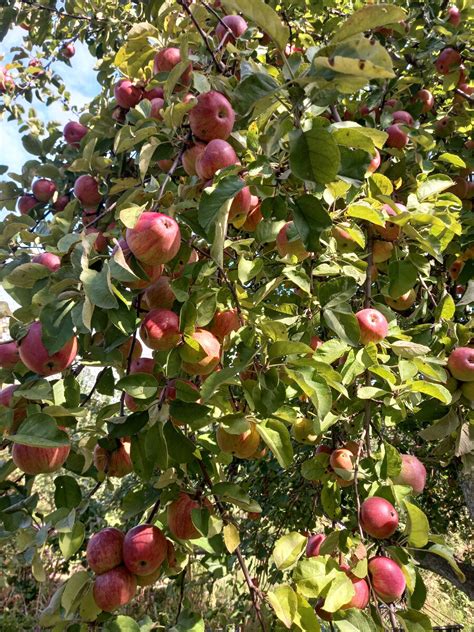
column 438, row 565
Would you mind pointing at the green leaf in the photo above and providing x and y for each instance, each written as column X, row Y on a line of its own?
column 180, row 448
column 284, row 602
column 299, row 277
column 340, row 592
column 407, row 349
column 344, row 324
column 414, row 621
column 288, row 347
column 41, row 431
column 433, row 185
column 189, row 622
column 418, row 528
column 71, row 541
column 353, row 135
column 433, row 390
column 73, row 590
column 143, row 464
column 446, row 308
column 122, row 624
column 138, row 385
column 275, row 434
column 248, row 270
column 251, row 89
column 213, row 200
column 314, row 575
column 368, row 18
column 311, row 219
column 288, row 549
column 314, row 155
column 264, row 16
column 190, row 413
column 232, row 493
column 67, row 492
column 441, row 428
column 98, row 287
column 355, row 621
column 27, row 274
column 403, row 276
column 447, row 554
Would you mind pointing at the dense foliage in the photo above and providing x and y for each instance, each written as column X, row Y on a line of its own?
column 257, row 243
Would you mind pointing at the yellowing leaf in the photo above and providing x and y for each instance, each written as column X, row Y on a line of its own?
column 231, row 537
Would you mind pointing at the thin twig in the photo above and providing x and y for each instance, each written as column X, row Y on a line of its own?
column 217, row 63
column 174, row 166
column 65, row 14
column 231, row 287
column 464, row 95
column 93, row 389
column 154, row 511
column 367, row 301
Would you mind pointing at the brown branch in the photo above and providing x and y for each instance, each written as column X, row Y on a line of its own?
column 217, row 63
column 154, row 511
column 65, row 14
column 464, row 95
column 93, row 389
column 101, row 215
column 174, row 166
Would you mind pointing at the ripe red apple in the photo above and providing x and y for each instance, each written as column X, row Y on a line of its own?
column 373, row 325
column 342, row 462
column 381, row 251
column 160, row 329
column 18, row 406
column 100, row 243
column 397, row 138
column 49, row 260
column 254, row 216
column 217, row 155
column 288, row 242
column 86, row 189
column 159, row 294
column 444, row 127
column 68, row 50
column 36, row 357
column 190, row 156
column 362, row 594
column 426, row 98
column 33, row 460
column 116, row 463
column 224, row 323
column 144, row 549
column 154, row 93
column 143, row 365
column 154, row 239
column 323, row 449
column 74, row 132
column 378, row 517
column 26, row 203
column 386, row 578
column 313, row 545
column 315, row 342
column 114, row 589
column 389, row 232
column 104, row 550
column 345, row 241
column 43, row 189
column 179, row 517
column 374, row 163
column 166, row 59
column 454, row 16
column 235, row 23
column 447, row 60
column 243, row 445
column 61, row 203
column 461, row 364
column 205, row 360
column 240, row 206
column 413, row 473
column 212, row 117
column 181, row 265
column 157, row 104
column 126, row 94
column 9, row 355
column 403, row 118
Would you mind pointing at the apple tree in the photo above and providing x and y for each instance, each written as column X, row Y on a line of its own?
column 241, row 282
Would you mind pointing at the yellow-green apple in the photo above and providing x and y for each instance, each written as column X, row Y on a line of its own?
column 114, row 589
column 447, row 60
column 104, row 550
column 160, row 329
column 403, row 302
column 386, row 578
column 34, row 460
column 116, row 463
column 212, row 117
column 303, row 431
column 154, row 239
column 381, row 250
column 397, row 138
column 224, row 322
column 43, row 189
column 217, row 154
column 345, row 241
column 48, row 260
column 74, row 132
column 86, row 189
column 426, row 99
column 179, row 517
column 37, row 358
column 467, row 389
column 9, row 355
column 378, row 517
column 26, row 203
column 233, row 23
column 204, row 360
column 242, row 445
column 288, row 242
column 461, row 364
column 126, row 94
column 190, row 156
column 144, row 549
column 413, row 473
column 372, row 324
column 314, row 543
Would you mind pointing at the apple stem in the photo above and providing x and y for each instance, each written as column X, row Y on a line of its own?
column 217, row 63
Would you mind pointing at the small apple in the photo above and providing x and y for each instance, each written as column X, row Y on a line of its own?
column 444, row 127
column 86, row 189
column 389, row 232
column 212, row 117
column 43, row 189
column 403, row 118
column 61, row 203
column 114, row 589
column 154, row 239
column 381, row 250
column 190, row 156
column 99, row 243
column 403, row 302
column 461, row 364
column 240, row 207
column 387, row 578
column 397, row 138
column 236, row 24
column 413, row 473
column 455, row 269
column 373, row 325
column 303, row 431
column 179, row 517
column 104, row 550
column 115, row 463
column 374, row 163
column 8, row 400
column 254, row 216
column 7, row 84
column 143, row 365
column 378, row 517
column 343, row 463
column 68, row 50
column 157, row 105
column 205, row 360
column 127, row 95
column 345, row 241
column 160, row 330
column 315, row 342
column 446, row 60
column 49, row 260
column 9, row 355
column 36, row 357
column 242, row 445
column 216, row 155
column 361, row 598
column 26, row 203
column 314, row 543
column 426, row 98
column 166, row 59
column 454, row 16
column 144, row 549
column 154, row 93
column 224, row 323
column 288, row 242
column 159, row 294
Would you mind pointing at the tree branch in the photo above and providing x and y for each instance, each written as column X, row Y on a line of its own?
column 217, row 63
column 435, row 564
column 65, row 14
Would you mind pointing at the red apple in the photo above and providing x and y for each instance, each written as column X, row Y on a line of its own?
column 217, row 155
column 104, row 550
column 447, row 60
column 374, row 163
column 240, row 206
column 461, row 364
column 212, row 117
column 373, row 325
column 154, row 93
column 126, row 94
column 386, row 578
column 426, row 98
column 157, row 104
column 254, row 216
column 342, row 462
column 68, row 50
column 403, row 118
column 74, row 132
column 36, row 357
column 144, row 549
column 323, row 449
column 159, row 294
column 413, row 473
column 49, row 260
column 18, row 406
column 391, row 231
column 114, row 589
column 397, row 138
column 315, row 342
column 160, row 330
column 61, row 203
column 116, row 463
column 205, row 360
column 26, row 203
column 100, row 243
column 9, row 355
column 454, row 16
column 166, row 59
column 235, row 23
column 378, row 517
column 43, row 189
column 362, row 594
column 154, row 239
column 224, row 323
column 33, row 460
column 179, row 517
column 345, row 241
column 143, row 365
column 86, row 189
column 288, row 242
column 190, row 156
column 313, row 545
